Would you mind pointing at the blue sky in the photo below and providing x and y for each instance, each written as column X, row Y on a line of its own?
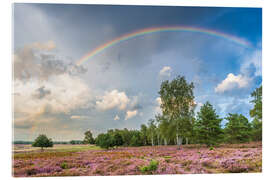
column 119, row 87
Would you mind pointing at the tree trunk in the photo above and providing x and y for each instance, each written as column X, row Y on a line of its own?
column 179, row 142
column 186, row 140
column 152, row 139
column 158, row 139
column 165, row 141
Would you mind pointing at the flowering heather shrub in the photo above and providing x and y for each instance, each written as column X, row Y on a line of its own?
column 140, row 160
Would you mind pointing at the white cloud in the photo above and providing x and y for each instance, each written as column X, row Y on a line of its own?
column 254, row 59
column 46, row 46
column 165, row 71
column 232, row 82
column 131, row 114
column 113, row 99
column 116, row 118
column 198, row 106
column 67, row 93
column 77, row 117
column 157, row 107
column 158, row 101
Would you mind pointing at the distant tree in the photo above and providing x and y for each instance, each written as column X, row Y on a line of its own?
column 88, row 138
column 105, row 140
column 152, row 131
column 144, row 134
column 126, row 136
column 72, row 142
column 166, row 128
column 75, row 142
column 117, row 138
column 238, row 129
column 207, row 126
column 136, row 138
column 43, row 142
column 256, row 114
column 178, row 105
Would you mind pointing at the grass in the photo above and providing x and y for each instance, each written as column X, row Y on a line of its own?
column 56, row 151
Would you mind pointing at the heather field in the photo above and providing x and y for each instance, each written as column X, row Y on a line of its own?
column 84, row 160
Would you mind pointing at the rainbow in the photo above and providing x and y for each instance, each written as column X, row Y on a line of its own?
column 146, row 31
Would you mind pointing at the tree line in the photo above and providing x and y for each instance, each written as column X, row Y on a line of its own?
column 178, row 124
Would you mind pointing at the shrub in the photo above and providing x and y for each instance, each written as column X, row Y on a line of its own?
column 31, row 171
column 153, row 165
column 64, row 165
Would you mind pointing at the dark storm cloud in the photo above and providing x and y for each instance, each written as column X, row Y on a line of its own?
column 32, row 63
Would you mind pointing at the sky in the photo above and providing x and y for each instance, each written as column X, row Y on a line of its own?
column 118, row 87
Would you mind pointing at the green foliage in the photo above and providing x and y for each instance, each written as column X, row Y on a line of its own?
column 256, row 130
column 178, row 105
column 135, row 141
column 42, row 141
column 256, row 113
column 88, row 138
column 153, row 165
column 118, row 140
column 207, row 126
column 76, row 142
column 144, row 134
column 64, row 165
column 177, row 123
column 152, row 131
column 105, row 141
column 237, row 129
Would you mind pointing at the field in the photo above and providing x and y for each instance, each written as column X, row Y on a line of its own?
column 85, row 160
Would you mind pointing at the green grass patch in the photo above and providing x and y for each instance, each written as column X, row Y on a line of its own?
column 68, row 150
column 153, row 165
column 64, row 165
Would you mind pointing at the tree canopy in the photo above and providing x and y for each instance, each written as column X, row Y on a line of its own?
column 42, row 141
column 88, row 138
column 177, row 104
column 256, row 114
column 207, row 126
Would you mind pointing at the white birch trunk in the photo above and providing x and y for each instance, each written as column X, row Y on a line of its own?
column 165, row 142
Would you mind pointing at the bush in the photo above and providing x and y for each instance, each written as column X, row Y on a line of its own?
column 153, row 165
column 64, row 165
column 31, row 171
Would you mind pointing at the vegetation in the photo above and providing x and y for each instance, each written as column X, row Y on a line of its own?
column 76, row 142
column 153, row 165
column 42, row 141
column 256, row 113
column 140, row 160
column 207, row 126
column 88, row 138
column 178, row 106
column 178, row 124
column 238, row 129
